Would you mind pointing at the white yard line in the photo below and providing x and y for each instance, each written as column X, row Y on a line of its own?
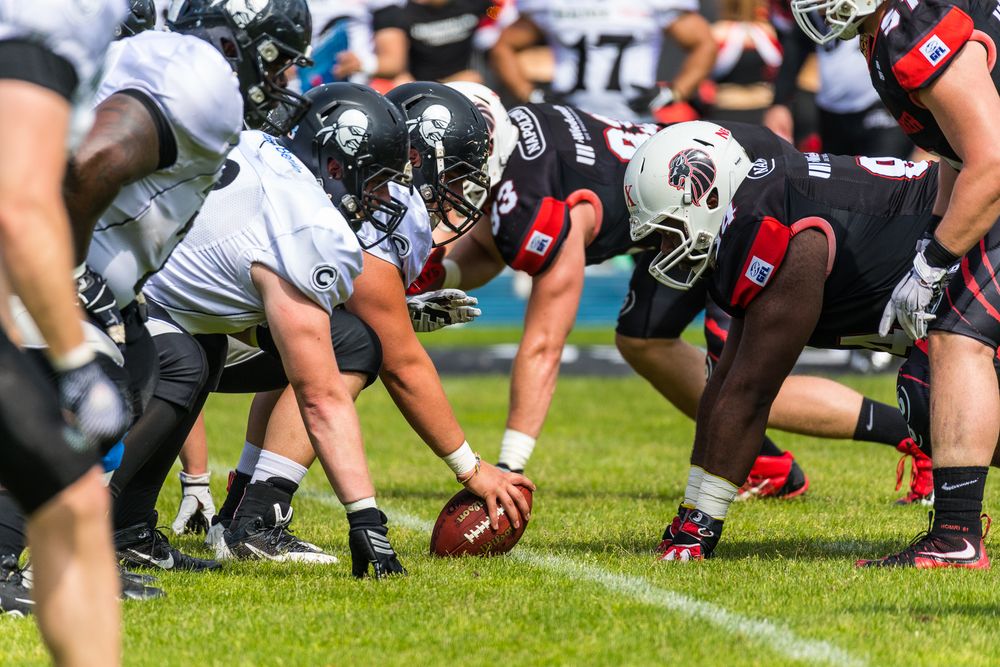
column 774, row 636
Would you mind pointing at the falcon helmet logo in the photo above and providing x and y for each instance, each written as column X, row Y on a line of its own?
column 350, row 131
column 433, row 123
column 692, row 164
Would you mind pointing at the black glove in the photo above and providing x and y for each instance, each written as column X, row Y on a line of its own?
column 651, row 100
column 370, row 545
column 99, row 302
column 95, row 404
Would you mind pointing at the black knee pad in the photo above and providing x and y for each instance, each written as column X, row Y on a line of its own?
column 913, row 392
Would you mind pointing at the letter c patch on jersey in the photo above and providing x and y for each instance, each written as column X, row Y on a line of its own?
column 765, row 256
column 324, row 276
column 924, row 61
column 542, row 240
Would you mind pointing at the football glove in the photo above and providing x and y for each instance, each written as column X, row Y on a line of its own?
column 197, row 507
column 434, row 310
column 99, row 303
column 916, row 297
column 652, row 99
column 431, row 276
column 369, row 543
column 95, row 405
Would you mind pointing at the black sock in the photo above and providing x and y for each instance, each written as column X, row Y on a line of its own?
column 234, row 494
column 259, row 500
column 12, row 540
column 879, row 422
column 768, row 448
column 958, row 500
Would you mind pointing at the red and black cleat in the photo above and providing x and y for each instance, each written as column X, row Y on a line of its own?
column 942, row 549
column 695, row 540
column 921, row 474
column 672, row 529
column 774, row 477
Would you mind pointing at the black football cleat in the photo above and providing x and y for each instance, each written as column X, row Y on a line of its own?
column 260, row 538
column 942, row 549
column 143, row 545
column 136, row 586
column 15, row 595
column 695, row 540
column 774, row 477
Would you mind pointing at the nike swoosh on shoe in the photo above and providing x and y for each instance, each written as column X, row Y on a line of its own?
column 968, row 552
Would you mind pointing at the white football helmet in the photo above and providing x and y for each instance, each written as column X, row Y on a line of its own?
column 503, row 133
column 681, row 183
column 842, row 17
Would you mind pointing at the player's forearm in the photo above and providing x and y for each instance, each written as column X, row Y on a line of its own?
column 88, row 193
column 696, row 68
column 533, row 383
column 973, row 209
column 735, row 430
column 332, row 423
column 415, row 387
column 504, row 61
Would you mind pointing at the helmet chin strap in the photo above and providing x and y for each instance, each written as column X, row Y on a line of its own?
column 439, row 156
column 687, row 198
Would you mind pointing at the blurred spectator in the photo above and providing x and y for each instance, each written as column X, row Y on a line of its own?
column 343, row 47
column 606, row 52
column 852, row 119
column 430, row 40
column 747, row 64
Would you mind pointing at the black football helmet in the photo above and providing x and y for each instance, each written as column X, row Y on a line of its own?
column 449, row 147
column 141, row 17
column 261, row 39
column 355, row 141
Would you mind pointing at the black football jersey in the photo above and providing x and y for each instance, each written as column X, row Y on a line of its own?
column 873, row 212
column 914, row 44
column 564, row 156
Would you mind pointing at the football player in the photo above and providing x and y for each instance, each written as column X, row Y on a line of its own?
column 924, row 57
column 607, row 52
column 805, row 252
column 557, row 207
column 448, row 148
column 49, row 53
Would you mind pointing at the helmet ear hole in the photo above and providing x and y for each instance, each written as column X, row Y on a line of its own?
column 229, row 49
column 712, row 201
column 415, row 158
column 335, row 169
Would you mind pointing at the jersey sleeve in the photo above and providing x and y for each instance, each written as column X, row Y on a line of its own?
column 748, row 257
column 408, row 247
column 922, row 43
column 530, row 215
column 321, row 259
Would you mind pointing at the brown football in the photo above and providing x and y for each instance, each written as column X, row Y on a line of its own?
column 463, row 528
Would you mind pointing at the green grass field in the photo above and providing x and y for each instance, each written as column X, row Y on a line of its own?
column 582, row 587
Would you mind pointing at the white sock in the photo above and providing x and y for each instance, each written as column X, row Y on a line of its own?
column 515, row 449
column 695, row 475
column 275, row 465
column 248, row 458
column 358, row 505
column 716, row 496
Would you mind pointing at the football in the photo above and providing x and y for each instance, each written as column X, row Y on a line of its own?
column 463, row 528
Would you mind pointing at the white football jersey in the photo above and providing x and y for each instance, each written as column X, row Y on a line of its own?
column 410, row 245
column 845, row 86
column 604, row 49
column 197, row 91
column 267, row 209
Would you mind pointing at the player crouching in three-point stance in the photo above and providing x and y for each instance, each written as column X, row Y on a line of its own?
column 924, row 57
column 806, row 254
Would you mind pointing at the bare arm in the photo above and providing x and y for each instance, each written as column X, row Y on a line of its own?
column 121, row 147
column 477, row 256
column 552, row 306
column 969, row 123
column 694, row 35
column 392, row 49
column 776, row 327
column 503, row 57
column 301, row 331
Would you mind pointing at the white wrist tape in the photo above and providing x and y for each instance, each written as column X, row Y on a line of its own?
column 516, row 448
column 358, row 505
column 462, row 460
column 78, row 356
column 452, row 274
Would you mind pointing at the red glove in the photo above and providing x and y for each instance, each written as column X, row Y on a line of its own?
column 431, row 276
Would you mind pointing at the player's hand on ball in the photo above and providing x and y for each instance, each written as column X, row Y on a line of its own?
column 369, row 542
column 500, row 489
column 197, row 507
column 435, row 310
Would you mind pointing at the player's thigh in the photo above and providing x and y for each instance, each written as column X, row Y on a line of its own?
column 971, row 303
column 654, row 311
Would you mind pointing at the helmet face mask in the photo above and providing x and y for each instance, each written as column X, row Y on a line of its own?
column 450, row 143
column 681, row 184
column 356, row 143
column 841, row 18
column 260, row 47
column 141, row 17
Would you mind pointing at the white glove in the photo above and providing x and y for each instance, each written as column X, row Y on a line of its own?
column 431, row 311
column 197, row 507
column 915, row 299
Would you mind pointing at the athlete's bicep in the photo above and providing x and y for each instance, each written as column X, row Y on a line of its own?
column 521, row 34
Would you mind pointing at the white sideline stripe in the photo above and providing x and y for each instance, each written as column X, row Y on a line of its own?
column 774, row 636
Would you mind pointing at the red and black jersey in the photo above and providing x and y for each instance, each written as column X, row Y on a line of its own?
column 915, row 43
column 873, row 212
column 564, row 156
